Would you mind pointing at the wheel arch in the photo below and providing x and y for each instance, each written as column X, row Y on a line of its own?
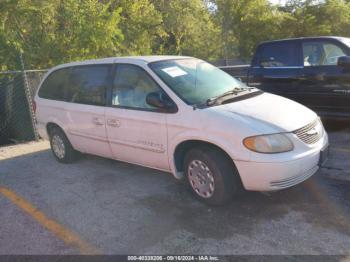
column 183, row 147
column 51, row 125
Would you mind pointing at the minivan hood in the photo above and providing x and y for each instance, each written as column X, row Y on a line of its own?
column 268, row 112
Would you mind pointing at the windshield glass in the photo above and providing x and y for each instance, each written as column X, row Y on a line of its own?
column 194, row 80
column 345, row 41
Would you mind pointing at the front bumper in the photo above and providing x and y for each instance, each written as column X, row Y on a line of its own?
column 272, row 176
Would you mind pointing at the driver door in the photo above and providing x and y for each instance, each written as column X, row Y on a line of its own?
column 137, row 132
column 325, row 86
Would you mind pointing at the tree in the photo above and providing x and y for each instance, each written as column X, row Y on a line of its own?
column 53, row 32
column 141, row 25
column 58, row 31
column 315, row 18
column 189, row 29
column 87, row 29
column 245, row 23
column 335, row 15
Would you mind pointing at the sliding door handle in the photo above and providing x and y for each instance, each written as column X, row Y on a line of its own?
column 113, row 122
column 98, row 121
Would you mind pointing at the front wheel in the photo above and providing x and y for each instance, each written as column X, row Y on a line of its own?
column 211, row 175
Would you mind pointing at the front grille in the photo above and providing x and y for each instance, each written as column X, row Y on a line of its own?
column 310, row 133
column 291, row 181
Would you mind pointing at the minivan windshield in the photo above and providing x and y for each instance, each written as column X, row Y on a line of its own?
column 196, row 81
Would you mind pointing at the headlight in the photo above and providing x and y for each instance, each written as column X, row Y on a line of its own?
column 275, row 143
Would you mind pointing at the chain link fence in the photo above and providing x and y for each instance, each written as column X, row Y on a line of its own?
column 17, row 119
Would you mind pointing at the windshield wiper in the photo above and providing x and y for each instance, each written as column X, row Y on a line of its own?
column 214, row 100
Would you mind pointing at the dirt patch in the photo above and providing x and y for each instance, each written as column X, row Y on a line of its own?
column 11, row 151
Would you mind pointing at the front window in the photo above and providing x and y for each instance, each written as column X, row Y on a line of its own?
column 131, row 87
column 318, row 53
column 194, row 80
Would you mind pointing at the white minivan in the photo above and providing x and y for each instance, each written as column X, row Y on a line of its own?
column 183, row 116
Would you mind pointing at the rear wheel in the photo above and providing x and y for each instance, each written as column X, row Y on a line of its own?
column 211, row 175
column 61, row 147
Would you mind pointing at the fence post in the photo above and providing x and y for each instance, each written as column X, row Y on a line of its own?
column 29, row 99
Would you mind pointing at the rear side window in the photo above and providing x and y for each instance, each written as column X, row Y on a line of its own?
column 88, row 84
column 54, row 85
column 283, row 54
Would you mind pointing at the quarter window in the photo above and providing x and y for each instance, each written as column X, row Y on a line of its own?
column 54, row 85
column 321, row 53
column 131, row 87
column 282, row 54
column 88, row 84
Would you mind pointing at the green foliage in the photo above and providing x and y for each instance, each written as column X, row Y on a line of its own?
column 312, row 18
column 244, row 23
column 53, row 32
column 189, row 29
column 85, row 29
column 58, row 31
column 141, row 25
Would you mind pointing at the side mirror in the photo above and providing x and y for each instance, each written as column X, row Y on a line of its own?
column 344, row 61
column 161, row 102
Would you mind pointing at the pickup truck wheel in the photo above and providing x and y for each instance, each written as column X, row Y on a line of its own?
column 211, row 175
column 61, row 147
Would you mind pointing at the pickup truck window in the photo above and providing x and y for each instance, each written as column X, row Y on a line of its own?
column 280, row 54
column 319, row 53
column 194, row 80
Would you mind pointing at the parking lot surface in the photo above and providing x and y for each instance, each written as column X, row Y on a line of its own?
column 101, row 206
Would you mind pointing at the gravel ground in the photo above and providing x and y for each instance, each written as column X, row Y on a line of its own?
column 125, row 209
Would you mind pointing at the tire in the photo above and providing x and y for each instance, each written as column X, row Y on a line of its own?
column 220, row 180
column 61, row 147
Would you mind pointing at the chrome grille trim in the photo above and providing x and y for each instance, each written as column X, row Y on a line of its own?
column 291, row 181
column 302, row 133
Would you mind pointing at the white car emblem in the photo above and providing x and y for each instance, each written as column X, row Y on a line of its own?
column 312, row 132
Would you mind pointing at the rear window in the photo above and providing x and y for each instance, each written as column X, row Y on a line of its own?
column 283, row 54
column 54, row 85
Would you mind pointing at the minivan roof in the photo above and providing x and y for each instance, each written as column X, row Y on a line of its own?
column 122, row 59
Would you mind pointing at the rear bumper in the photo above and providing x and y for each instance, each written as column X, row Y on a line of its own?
column 272, row 176
column 41, row 127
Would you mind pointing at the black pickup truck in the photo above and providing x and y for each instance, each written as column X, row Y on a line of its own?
column 314, row 71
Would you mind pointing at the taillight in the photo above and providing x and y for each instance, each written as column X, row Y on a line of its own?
column 34, row 107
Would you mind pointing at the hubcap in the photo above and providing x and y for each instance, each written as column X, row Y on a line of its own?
column 201, row 178
column 58, row 146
